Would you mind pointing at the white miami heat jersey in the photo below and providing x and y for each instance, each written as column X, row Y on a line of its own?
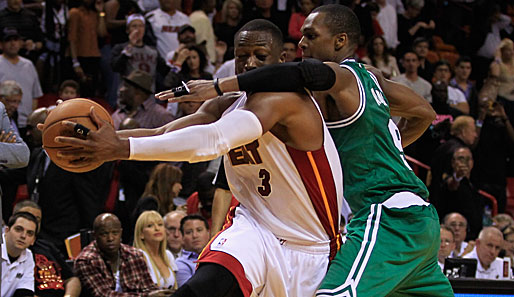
column 296, row 194
column 165, row 28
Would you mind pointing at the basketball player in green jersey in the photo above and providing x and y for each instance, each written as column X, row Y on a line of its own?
column 393, row 238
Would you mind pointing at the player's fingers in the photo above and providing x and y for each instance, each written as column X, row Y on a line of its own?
column 165, row 95
column 186, row 98
column 96, row 118
column 73, row 141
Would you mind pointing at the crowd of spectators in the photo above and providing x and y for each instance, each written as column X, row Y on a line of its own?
column 151, row 220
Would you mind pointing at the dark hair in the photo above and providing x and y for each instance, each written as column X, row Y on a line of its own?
column 290, row 40
column 371, row 51
column 419, row 40
column 192, row 217
column 70, row 83
column 463, row 59
column 202, row 57
column 262, row 25
column 341, row 19
column 22, row 214
column 25, row 203
column 441, row 63
column 204, row 185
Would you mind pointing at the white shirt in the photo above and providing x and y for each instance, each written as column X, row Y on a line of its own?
column 495, row 270
column 18, row 274
column 226, row 69
column 463, row 246
column 204, row 31
column 455, row 96
column 157, row 277
column 165, row 28
column 389, row 23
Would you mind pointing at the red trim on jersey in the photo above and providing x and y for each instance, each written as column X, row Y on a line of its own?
column 226, row 260
column 318, row 180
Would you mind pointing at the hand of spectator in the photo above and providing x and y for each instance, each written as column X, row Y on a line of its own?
column 29, row 45
column 80, row 73
column 462, row 170
column 422, row 25
column 469, row 248
column 183, row 54
column 7, row 137
column 135, row 36
column 161, row 293
column 431, row 25
column 199, row 91
column 99, row 146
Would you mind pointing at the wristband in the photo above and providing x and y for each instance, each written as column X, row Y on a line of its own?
column 217, row 87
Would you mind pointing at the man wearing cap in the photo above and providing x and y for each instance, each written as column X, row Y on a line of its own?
column 26, row 23
column 165, row 23
column 14, row 67
column 134, row 101
column 135, row 54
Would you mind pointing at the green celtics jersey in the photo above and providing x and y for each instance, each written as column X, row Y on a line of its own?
column 369, row 146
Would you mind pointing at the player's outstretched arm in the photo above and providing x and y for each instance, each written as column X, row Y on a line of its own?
column 416, row 112
column 285, row 77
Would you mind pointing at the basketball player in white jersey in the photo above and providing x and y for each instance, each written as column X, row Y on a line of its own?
column 281, row 165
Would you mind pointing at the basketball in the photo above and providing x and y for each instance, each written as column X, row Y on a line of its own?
column 73, row 110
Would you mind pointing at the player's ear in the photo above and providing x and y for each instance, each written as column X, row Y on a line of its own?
column 340, row 41
column 282, row 58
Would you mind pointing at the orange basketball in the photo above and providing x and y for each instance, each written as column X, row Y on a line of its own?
column 73, row 110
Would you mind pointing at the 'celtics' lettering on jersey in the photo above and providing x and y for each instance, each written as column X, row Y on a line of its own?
column 369, row 146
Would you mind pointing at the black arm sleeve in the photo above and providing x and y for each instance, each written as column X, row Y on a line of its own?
column 288, row 77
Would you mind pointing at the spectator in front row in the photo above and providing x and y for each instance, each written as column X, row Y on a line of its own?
column 53, row 276
column 411, row 78
column 446, row 247
column 459, row 225
column 17, row 261
column 150, row 237
column 195, row 230
column 458, row 193
column 488, row 246
column 290, row 49
column 173, row 234
column 107, row 266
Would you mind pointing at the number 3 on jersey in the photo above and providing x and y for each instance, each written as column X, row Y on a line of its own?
column 265, row 188
column 395, row 134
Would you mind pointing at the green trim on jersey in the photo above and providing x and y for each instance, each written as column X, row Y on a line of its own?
column 370, row 150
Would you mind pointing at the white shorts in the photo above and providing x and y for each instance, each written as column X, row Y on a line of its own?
column 264, row 265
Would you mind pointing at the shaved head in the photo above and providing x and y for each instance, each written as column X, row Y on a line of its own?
column 105, row 219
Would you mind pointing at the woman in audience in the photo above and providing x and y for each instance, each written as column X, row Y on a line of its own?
column 150, row 237
column 192, row 68
column 378, row 56
column 163, row 187
column 231, row 15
